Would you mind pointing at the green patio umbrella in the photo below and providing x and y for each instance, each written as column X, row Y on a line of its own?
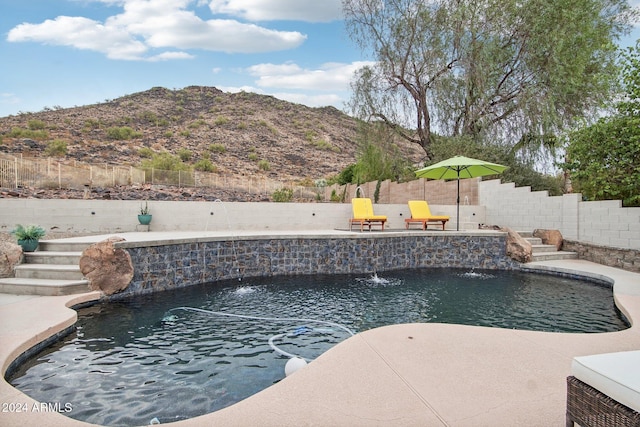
column 460, row 167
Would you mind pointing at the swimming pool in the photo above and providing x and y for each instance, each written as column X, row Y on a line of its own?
column 126, row 366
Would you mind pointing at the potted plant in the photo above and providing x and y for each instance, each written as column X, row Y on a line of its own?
column 145, row 217
column 28, row 237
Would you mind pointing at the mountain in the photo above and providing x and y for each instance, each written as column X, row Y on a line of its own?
column 241, row 133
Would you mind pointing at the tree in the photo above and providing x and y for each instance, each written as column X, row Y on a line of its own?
column 603, row 158
column 378, row 157
column 504, row 69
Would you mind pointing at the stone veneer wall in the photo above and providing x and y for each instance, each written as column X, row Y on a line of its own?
column 626, row 259
column 170, row 266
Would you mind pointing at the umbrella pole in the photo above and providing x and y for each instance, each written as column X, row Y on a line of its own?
column 458, row 205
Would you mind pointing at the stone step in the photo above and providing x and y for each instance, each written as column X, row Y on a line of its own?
column 536, row 249
column 534, row 240
column 525, row 234
column 48, row 271
column 45, row 287
column 62, row 246
column 551, row 256
column 51, row 257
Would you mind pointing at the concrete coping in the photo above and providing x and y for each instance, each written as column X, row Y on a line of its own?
column 413, row 374
column 159, row 238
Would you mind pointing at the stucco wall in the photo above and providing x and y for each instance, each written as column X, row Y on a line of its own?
column 112, row 216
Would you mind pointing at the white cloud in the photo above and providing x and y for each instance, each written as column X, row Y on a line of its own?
column 321, row 100
column 330, row 76
column 168, row 56
column 310, row 100
column 155, row 24
column 81, row 33
column 271, row 10
column 9, row 99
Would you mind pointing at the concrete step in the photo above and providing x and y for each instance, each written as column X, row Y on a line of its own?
column 551, row 256
column 534, row 240
column 45, row 287
column 48, row 271
column 50, row 257
column 62, row 246
column 536, row 249
column 525, row 234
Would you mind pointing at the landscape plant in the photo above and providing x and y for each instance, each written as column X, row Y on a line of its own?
column 282, row 195
column 28, row 236
column 28, row 232
column 603, row 158
column 122, row 133
column 497, row 69
column 57, row 147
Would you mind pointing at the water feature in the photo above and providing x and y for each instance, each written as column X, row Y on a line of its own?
column 146, row 358
column 231, row 237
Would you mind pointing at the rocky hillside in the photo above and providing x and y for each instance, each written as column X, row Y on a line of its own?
column 240, row 134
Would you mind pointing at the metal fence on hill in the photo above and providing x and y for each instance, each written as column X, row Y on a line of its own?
column 16, row 172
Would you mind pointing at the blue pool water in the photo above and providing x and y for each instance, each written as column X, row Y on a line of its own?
column 134, row 361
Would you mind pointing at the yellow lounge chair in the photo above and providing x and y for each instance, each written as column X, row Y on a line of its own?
column 363, row 214
column 420, row 213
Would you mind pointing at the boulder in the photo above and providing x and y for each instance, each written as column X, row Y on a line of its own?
column 518, row 248
column 549, row 237
column 10, row 256
column 109, row 269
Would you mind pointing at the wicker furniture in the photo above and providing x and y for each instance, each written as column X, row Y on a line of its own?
column 588, row 407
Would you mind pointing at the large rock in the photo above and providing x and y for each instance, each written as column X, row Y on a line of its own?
column 549, row 237
column 518, row 248
column 108, row 268
column 10, row 256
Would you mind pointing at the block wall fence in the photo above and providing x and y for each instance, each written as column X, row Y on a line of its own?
column 603, row 223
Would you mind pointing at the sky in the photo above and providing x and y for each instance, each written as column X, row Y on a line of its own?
column 65, row 53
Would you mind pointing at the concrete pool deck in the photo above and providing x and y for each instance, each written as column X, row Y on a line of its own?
column 401, row 375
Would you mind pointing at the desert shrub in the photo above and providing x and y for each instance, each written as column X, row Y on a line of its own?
column 221, row 120
column 38, row 135
column 264, row 165
column 56, row 148
column 253, row 156
column 205, row 165
column 122, row 133
column 165, row 161
column 168, row 134
column 92, row 123
column 197, row 124
column 323, row 145
column 282, row 195
column 36, row 124
column 146, row 152
column 184, row 154
column 185, row 133
column 149, row 116
column 217, row 148
column 242, row 126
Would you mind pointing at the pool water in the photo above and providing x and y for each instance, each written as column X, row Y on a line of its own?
column 142, row 360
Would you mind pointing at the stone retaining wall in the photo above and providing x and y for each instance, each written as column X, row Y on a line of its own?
column 626, row 259
column 170, row 266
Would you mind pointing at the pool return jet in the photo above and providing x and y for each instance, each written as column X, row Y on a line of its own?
column 295, row 362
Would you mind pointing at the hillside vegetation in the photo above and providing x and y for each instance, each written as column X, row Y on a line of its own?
column 234, row 134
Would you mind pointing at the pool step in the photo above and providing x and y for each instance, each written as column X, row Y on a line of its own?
column 52, row 270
